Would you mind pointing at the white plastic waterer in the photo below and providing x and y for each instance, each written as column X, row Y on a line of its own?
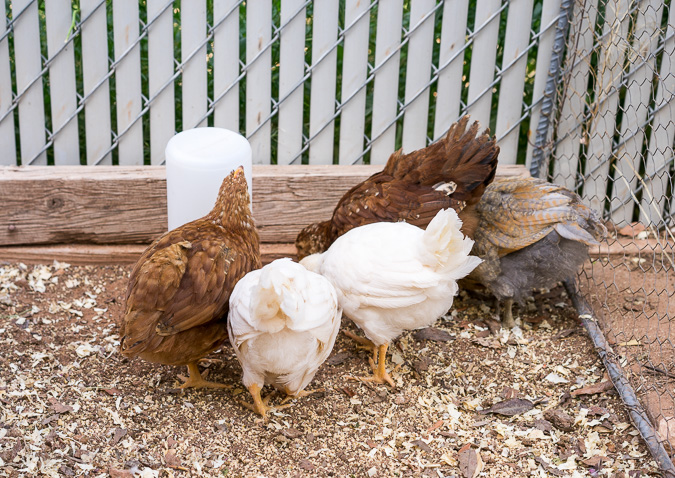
column 197, row 161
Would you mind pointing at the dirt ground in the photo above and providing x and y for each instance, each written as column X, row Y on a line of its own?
column 471, row 400
column 635, row 300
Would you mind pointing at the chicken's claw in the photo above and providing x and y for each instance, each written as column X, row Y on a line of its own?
column 195, row 380
column 261, row 405
column 300, row 394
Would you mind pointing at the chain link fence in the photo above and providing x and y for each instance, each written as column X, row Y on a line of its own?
column 611, row 141
column 306, row 82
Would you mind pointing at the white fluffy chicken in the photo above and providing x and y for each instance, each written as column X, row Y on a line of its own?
column 282, row 324
column 392, row 277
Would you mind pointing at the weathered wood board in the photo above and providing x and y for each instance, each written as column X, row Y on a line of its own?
column 127, row 205
column 92, row 254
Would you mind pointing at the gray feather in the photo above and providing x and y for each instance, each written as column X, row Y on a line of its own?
column 542, row 264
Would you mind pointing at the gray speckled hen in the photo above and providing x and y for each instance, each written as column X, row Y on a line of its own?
column 531, row 234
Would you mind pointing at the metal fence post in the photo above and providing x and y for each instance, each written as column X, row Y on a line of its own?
column 548, row 102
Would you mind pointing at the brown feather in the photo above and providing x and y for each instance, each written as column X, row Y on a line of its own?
column 406, row 189
column 178, row 294
column 531, row 234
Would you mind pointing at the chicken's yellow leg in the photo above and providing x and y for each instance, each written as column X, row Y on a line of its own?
column 380, row 374
column 259, row 405
column 362, row 341
column 195, row 380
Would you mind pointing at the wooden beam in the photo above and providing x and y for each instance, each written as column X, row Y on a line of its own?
column 127, row 205
column 92, row 254
column 632, row 247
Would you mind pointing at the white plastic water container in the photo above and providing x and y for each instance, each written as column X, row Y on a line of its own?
column 197, row 161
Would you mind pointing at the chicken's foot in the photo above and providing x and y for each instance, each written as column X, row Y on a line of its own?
column 380, row 374
column 195, row 380
column 261, row 405
column 362, row 341
column 302, row 393
column 507, row 321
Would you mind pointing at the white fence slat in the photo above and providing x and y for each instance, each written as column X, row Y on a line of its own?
column 418, row 74
column 385, row 84
column 94, row 68
column 128, row 82
column 354, row 72
column 259, row 78
column 569, row 128
column 193, row 34
column 484, row 56
column 62, row 83
column 226, row 64
column 7, row 141
column 28, row 63
column 549, row 14
column 322, row 101
column 449, row 90
column 160, row 69
column 635, row 109
column 510, row 104
column 660, row 151
column 292, row 66
column 603, row 122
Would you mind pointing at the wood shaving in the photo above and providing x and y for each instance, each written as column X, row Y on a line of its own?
column 71, row 405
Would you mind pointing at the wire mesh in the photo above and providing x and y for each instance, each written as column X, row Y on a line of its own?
column 612, row 142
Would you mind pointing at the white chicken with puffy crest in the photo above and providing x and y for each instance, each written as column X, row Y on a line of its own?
column 392, row 277
column 283, row 322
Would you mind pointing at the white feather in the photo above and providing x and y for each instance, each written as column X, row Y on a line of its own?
column 392, row 277
column 283, row 322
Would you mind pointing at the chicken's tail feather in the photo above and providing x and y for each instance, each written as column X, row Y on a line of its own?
column 266, row 298
column 586, row 228
column 312, row 262
column 141, row 337
column 575, row 232
column 445, row 247
column 469, row 159
column 281, row 298
column 463, row 157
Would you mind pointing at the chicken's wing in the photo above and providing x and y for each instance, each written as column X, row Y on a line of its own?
column 177, row 299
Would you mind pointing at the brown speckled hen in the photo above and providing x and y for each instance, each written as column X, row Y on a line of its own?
column 532, row 234
column 452, row 172
column 179, row 290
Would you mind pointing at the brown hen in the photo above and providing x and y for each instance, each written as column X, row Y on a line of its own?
column 179, row 290
column 532, row 234
column 452, row 172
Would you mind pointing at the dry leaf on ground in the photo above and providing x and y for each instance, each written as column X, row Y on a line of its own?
column 470, row 462
column 509, row 408
column 594, row 389
column 432, row 333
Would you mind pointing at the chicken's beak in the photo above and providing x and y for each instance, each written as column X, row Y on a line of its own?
column 238, row 171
